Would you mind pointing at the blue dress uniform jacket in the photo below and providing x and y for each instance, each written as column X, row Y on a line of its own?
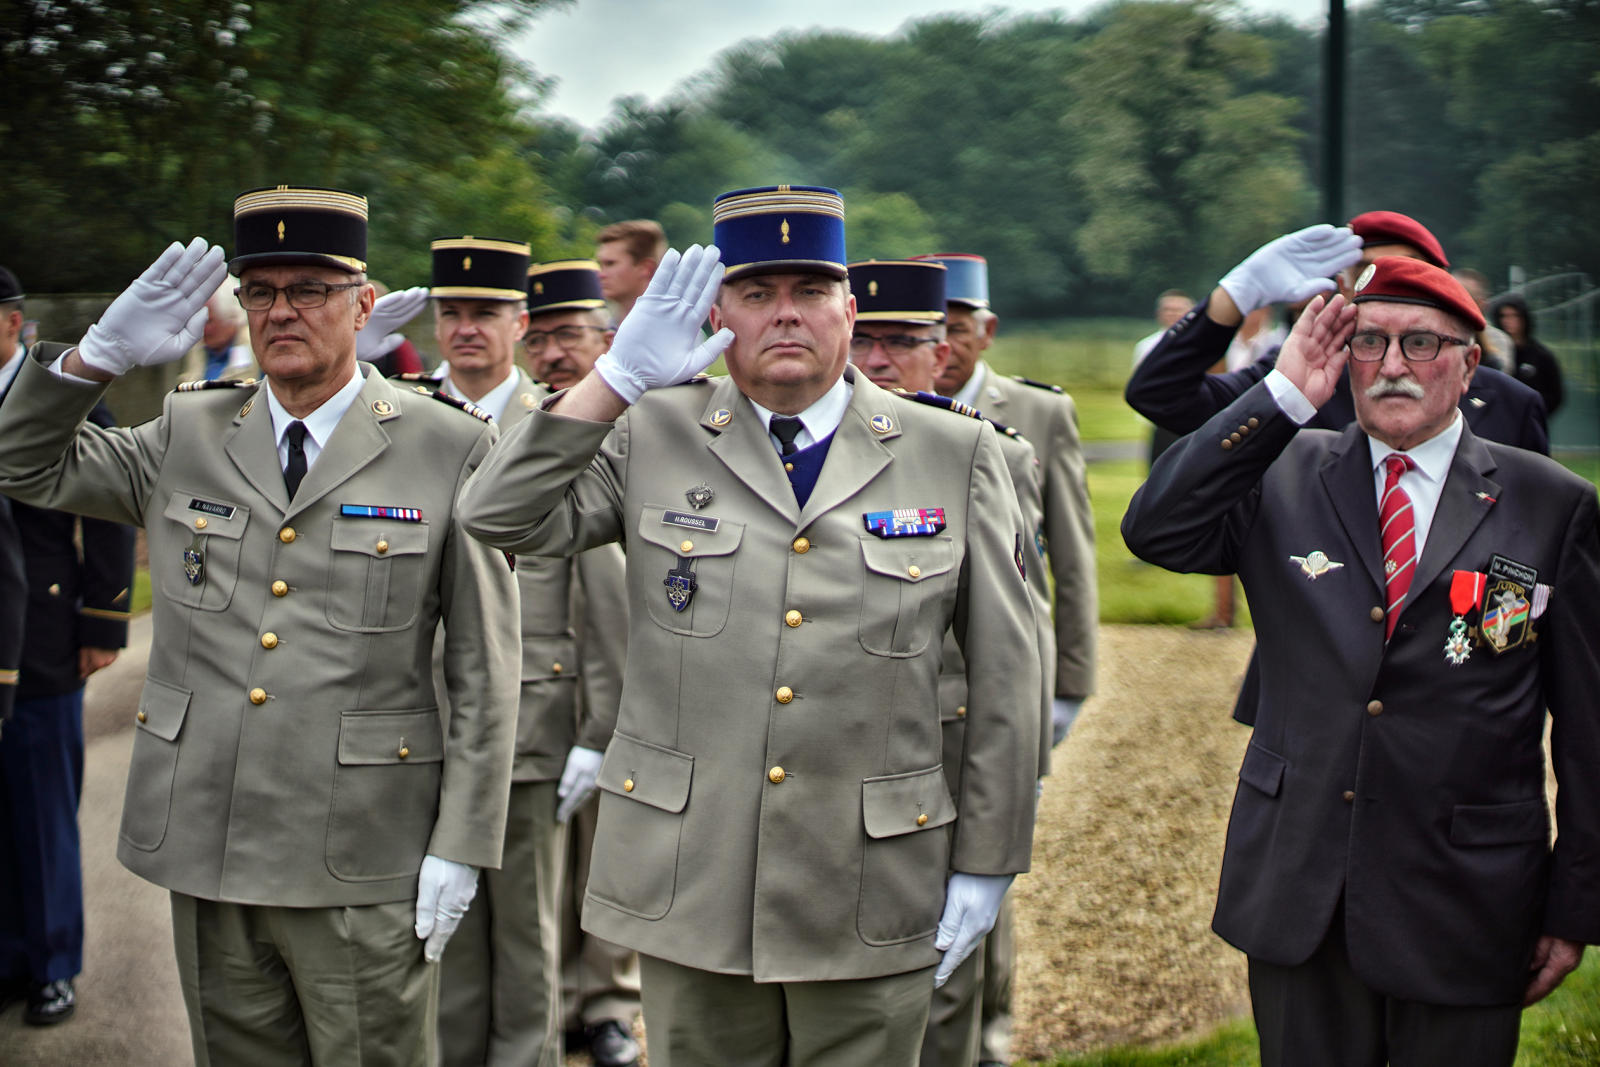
column 1414, row 787
column 289, row 749
column 13, row 603
column 773, row 802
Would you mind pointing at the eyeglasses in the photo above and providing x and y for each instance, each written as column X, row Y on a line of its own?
column 565, row 336
column 896, row 344
column 1417, row 346
column 302, row 295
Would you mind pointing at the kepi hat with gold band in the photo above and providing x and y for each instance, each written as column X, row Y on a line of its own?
column 966, row 280
column 1403, row 280
column 899, row 290
column 286, row 224
column 479, row 268
column 564, row 285
column 780, row 229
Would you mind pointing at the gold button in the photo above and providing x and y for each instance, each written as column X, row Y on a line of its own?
column 555, row 668
column 1226, row 444
column 269, row 640
column 1243, row 429
column 1254, row 422
column 961, row 712
column 775, row 775
column 1234, row 437
column 687, row 546
column 789, row 468
column 404, row 752
column 286, row 535
column 627, row 785
column 258, row 696
column 784, row 694
column 914, row 570
column 200, row 523
column 280, row 588
column 1349, row 796
column 142, row 716
column 1375, row 707
column 792, row 618
column 801, row 545
column 922, row 820
column 1376, row 613
column 382, row 547
column 55, row 588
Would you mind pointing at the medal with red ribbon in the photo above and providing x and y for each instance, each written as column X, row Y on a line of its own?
column 1466, row 594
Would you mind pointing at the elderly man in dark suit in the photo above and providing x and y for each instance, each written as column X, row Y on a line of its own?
column 1389, row 869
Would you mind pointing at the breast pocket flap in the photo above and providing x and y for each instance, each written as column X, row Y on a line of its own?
column 162, row 709
column 905, row 803
column 207, row 517
column 909, row 559
column 702, row 541
column 368, row 738
column 1499, row 824
column 380, row 539
column 1263, row 769
column 650, row 774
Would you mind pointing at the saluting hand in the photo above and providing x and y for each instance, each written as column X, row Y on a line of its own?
column 655, row 345
column 392, row 311
column 1288, row 269
column 159, row 317
column 1314, row 354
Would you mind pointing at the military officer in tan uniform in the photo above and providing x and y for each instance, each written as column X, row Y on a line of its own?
column 499, row 983
column 775, row 828
column 567, row 333
column 1047, row 417
column 291, row 783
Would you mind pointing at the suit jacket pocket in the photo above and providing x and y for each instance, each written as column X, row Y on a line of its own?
column 198, row 566
column 1516, row 823
column 1262, row 769
column 902, row 586
column 905, row 855
column 385, row 793
column 147, row 803
column 375, row 574
column 711, row 556
column 547, row 716
column 644, row 791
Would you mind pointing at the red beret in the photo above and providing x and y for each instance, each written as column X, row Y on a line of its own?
column 1402, row 280
column 1393, row 228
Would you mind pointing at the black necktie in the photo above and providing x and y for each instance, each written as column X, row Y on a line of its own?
column 785, row 428
column 295, row 470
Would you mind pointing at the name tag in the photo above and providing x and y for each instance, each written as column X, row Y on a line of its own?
column 380, row 511
column 221, row 511
column 691, row 522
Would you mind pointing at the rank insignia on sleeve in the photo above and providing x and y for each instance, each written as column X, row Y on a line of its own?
column 905, row 522
column 681, row 584
column 1315, row 564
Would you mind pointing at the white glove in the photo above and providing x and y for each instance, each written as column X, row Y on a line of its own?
column 577, row 780
column 392, row 311
column 444, row 889
column 1292, row 268
column 1063, row 713
column 159, row 317
column 655, row 345
column 971, row 905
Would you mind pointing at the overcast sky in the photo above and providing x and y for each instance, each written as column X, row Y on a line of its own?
column 599, row 50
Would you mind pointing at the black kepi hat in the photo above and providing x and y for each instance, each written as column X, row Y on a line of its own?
column 478, row 268
column 290, row 224
column 564, row 285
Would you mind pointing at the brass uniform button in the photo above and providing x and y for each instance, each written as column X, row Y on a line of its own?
column 286, row 535
column 200, row 523
column 627, row 785
column 961, row 711
column 142, row 716
column 802, row 545
column 258, row 696
column 555, row 668
column 784, row 694
column 280, row 588
column 1376, row 614
column 687, row 546
column 922, row 820
column 789, row 468
column 1349, row 797
column 269, row 640
column 1254, row 422
column 1243, row 429
column 1226, row 444
column 776, row 775
column 382, row 547
column 1375, row 707
column 914, row 570
column 404, row 752
column 1235, row 438
column 55, row 589
column 792, row 618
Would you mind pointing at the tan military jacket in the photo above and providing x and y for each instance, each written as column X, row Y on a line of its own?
column 773, row 801
column 1049, row 420
column 289, row 750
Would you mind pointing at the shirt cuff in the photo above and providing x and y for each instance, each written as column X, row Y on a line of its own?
column 73, row 379
column 1289, row 397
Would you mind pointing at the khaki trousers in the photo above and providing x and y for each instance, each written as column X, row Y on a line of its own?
column 970, row 1018
column 499, row 985
column 697, row 1018
column 286, row 987
column 599, row 979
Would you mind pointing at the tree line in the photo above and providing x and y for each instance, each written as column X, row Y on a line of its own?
column 1095, row 160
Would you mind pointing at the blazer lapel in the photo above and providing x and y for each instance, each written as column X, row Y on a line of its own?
column 1467, row 495
column 857, row 454
column 254, row 449
column 740, row 442
column 357, row 441
column 1347, row 477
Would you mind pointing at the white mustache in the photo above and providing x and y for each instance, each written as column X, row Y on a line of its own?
column 1395, row 387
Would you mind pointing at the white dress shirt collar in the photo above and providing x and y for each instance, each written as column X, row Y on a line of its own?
column 319, row 424
column 494, row 401
column 1425, row 483
column 968, row 394
column 817, row 421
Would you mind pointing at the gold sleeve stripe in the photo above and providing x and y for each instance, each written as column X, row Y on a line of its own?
column 485, row 244
column 9, row 677
column 106, row 613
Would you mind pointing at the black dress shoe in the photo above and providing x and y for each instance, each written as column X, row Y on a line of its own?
column 50, row 1003
column 611, row 1045
column 575, row 1040
column 11, row 991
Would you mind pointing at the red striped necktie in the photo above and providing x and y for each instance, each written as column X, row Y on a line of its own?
column 1397, row 526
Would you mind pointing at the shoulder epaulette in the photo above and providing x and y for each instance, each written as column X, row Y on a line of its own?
column 951, row 404
column 216, row 383
column 412, row 376
column 456, row 402
column 1037, row 385
column 699, row 379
